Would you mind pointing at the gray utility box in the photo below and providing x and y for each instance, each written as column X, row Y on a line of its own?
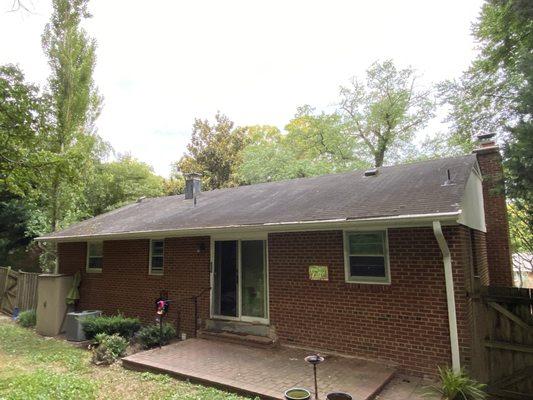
column 73, row 324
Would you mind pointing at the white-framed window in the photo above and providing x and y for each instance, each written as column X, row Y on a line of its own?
column 157, row 254
column 95, row 256
column 366, row 257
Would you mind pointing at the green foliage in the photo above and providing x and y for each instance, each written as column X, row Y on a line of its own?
column 149, row 336
column 27, row 318
column 15, row 214
column 24, row 124
column 75, row 105
column 120, row 182
column 495, row 95
column 314, row 144
column 458, row 386
column 110, row 325
column 274, row 159
column 375, row 123
column 109, row 348
column 383, row 113
column 44, row 384
column 215, row 152
column 519, row 157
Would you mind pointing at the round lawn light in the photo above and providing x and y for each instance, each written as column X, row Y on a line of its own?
column 314, row 360
column 338, row 396
column 297, row 394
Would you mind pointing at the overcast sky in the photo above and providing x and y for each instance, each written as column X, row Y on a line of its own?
column 162, row 63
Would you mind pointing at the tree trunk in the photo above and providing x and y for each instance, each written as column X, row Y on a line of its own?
column 379, row 156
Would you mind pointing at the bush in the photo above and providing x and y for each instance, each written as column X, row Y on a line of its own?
column 109, row 348
column 149, row 335
column 116, row 324
column 458, row 386
column 27, row 318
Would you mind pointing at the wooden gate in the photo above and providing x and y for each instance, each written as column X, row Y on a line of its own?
column 17, row 289
column 504, row 339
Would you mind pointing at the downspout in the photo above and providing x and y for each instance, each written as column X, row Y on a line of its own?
column 450, row 295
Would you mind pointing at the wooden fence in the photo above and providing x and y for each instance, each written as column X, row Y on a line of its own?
column 503, row 337
column 18, row 289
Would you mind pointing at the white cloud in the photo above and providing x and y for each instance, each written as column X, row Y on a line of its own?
column 161, row 64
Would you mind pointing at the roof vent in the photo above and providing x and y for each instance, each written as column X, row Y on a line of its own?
column 371, row 172
column 448, row 180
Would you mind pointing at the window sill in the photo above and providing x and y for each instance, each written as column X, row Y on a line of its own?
column 156, row 273
column 93, row 270
column 367, row 282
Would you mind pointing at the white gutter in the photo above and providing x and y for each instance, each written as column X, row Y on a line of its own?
column 270, row 226
column 450, row 295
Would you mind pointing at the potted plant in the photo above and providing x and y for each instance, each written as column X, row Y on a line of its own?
column 297, row 394
column 457, row 386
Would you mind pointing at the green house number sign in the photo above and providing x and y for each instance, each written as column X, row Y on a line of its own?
column 318, row 273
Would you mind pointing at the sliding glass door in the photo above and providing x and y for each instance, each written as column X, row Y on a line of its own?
column 240, row 280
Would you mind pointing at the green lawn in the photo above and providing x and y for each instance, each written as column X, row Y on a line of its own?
column 33, row 367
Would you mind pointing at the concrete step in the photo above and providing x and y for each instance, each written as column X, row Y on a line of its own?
column 250, row 328
column 238, row 338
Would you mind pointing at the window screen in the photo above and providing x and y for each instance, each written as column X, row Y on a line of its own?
column 367, row 258
column 156, row 256
column 95, row 257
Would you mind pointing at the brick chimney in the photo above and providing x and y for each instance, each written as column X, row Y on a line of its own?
column 497, row 236
column 193, row 185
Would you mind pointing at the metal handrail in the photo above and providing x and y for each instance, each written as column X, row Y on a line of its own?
column 195, row 300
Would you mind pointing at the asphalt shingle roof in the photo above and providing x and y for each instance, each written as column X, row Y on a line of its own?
column 408, row 189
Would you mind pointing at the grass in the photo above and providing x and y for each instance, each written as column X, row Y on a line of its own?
column 33, row 367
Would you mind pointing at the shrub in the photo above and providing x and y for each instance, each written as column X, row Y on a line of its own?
column 458, row 386
column 109, row 348
column 149, row 335
column 27, row 318
column 116, row 324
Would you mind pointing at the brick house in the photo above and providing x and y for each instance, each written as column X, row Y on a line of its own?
column 376, row 264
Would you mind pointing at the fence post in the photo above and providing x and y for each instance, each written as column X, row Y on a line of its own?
column 4, row 289
column 480, row 358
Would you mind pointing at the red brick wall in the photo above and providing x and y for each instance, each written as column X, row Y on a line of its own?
column 479, row 254
column 497, row 237
column 124, row 284
column 405, row 322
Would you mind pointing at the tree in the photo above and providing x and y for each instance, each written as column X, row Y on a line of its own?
column 478, row 102
column 383, row 113
column 215, row 152
column 496, row 95
column 23, row 128
column 322, row 138
column 270, row 158
column 312, row 144
column 120, row 182
column 76, row 104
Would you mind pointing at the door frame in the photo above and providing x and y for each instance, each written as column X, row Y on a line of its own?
column 239, row 238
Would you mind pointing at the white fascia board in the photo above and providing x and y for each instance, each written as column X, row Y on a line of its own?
column 333, row 224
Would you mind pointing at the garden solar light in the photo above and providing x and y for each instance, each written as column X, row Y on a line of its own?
column 314, row 360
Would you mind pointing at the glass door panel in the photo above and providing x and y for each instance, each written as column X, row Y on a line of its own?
column 226, row 278
column 253, row 279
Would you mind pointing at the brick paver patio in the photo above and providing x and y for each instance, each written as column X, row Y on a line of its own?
column 261, row 372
